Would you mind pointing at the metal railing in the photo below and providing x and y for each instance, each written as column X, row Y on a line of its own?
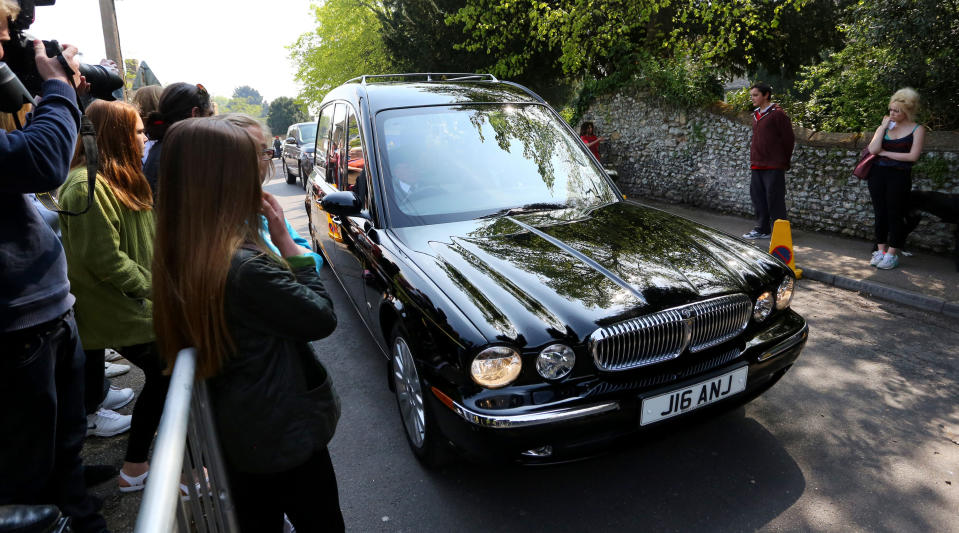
column 186, row 454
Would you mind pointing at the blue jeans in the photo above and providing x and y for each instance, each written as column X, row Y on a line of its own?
column 43, row 421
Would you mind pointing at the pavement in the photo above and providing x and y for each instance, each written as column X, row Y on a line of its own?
column 923, row 280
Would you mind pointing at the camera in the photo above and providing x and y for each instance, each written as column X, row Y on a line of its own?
column 19, row 55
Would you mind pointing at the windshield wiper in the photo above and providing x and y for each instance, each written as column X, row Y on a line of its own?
column 528, row 208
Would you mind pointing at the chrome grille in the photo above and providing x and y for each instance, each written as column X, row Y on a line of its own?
column 700, row 367
column 718, row 320
column 664, row 335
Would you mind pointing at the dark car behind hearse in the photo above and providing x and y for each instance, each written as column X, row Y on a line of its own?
column 527, row 310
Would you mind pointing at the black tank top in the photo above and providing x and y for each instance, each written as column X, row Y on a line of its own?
column 901, row 145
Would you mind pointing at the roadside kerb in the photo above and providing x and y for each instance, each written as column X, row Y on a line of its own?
column 900, row 296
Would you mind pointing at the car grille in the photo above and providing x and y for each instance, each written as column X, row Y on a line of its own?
column 664, row 335
column 700, row 367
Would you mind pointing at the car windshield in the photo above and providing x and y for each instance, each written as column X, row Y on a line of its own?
column 452, row 163
column 308, row 133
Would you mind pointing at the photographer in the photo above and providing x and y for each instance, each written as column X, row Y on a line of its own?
column 41, row 360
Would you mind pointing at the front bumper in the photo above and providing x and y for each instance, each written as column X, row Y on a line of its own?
column 587, row 423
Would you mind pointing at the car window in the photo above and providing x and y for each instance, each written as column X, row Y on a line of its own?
column 338, row 146
column 324, row 147
column 452, row 163
column 355, row 167
column 307, row 133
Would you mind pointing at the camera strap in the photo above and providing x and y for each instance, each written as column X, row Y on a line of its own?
column 88, row 136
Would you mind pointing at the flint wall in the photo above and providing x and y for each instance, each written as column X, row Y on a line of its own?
column 701, row 158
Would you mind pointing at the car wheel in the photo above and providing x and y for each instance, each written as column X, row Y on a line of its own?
column 422, row 433
column 290, row 178
column 299, row 169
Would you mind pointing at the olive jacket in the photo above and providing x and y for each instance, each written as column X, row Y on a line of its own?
column 109, row 253
column 273, row 402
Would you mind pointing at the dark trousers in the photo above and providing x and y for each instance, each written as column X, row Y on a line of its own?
column 149, row 405
column 96, row 384
column 307, row 495
column 41, row 394
column 889, row 189
column 767, row 190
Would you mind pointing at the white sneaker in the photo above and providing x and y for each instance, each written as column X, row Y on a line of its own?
column 112, row 370
column 107, row 423
column 876, row 258
column 111, row 355
column 117, row 398
column 889, row 262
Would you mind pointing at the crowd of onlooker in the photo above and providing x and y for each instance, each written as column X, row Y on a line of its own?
column 170, row 243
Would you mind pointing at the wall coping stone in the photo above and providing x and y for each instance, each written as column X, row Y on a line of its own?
column 936, row 141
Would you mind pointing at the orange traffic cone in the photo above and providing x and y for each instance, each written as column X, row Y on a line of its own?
column 781, row 245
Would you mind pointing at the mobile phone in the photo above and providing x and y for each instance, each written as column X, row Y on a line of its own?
column 892, row 124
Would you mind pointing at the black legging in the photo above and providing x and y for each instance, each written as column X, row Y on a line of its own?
column 95, row 385
column 307, row 494
column 149, row 406
column 889, row 189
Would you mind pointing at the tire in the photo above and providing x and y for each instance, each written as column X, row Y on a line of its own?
column 422, row 433
column 299, row 169
column 290, row 178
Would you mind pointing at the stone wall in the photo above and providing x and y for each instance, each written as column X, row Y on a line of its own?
column 701, row 158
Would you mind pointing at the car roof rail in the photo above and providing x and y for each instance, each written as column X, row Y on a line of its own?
column 424, row 76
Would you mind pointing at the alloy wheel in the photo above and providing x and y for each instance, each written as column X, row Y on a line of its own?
column 409, row 392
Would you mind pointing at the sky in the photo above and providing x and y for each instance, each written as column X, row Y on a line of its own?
column 221, row 44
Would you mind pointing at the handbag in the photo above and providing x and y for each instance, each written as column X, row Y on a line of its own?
column 864, row 164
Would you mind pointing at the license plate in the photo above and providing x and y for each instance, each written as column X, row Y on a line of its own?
column 693, row 397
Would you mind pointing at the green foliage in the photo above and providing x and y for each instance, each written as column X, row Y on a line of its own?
column 588, row 35
column 889, row 44
column 935, row 169
column 739, row 100
column 284, row 111
column 675, row 82
column 346, row 43
column 239, row 105
column 249, row 94
column 418, row 39
column 591, row 36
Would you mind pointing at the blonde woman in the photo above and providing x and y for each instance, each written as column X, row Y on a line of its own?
column 147, row 100
column 898, row 143
column 261, row 136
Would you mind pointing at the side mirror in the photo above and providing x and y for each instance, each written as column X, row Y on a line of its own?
column 290, row 140
column 341, row 203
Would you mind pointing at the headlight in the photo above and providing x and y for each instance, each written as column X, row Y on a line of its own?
column 555, row 361
column 784, row 294
column 496, row 367
column 764, row 306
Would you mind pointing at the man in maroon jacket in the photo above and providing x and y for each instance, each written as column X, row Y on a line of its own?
column 769, row 155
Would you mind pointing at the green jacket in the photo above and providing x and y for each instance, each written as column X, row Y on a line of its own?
column 109, row 256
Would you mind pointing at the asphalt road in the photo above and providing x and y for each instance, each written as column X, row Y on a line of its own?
column 861, row 435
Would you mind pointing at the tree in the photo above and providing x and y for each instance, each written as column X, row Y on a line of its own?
column 239, row 105
column 598, row 37
column 420, row 36
column 284, row 111
column 249, row 94
column 418, row 39
column 345, row 44
column 890, row 44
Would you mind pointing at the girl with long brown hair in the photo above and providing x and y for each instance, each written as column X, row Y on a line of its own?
column 109, row 253
column 251, row 314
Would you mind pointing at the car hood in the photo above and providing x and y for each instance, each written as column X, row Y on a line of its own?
column 532, row 278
